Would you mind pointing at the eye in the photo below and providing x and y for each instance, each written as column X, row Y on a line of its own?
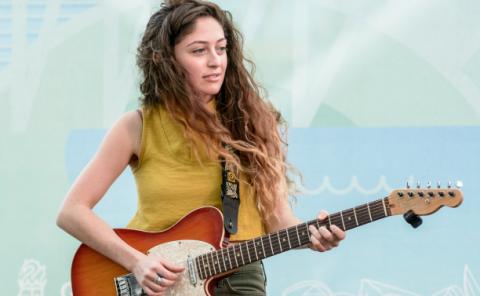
column 222, row 49
column 199, row 51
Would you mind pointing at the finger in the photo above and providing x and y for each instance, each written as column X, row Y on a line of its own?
column 146, row 283
column 339, row 233
column 317, row 245
column 326, row 235
column 314, row 232
column 150, row 292
column 322, row 215
column 166, row 274
column 162, row 283
column 166, row 282
column 172, row 267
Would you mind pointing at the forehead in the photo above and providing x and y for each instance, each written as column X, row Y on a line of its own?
column 204, row 29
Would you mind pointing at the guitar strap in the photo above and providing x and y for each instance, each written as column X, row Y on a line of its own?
column 230, row 195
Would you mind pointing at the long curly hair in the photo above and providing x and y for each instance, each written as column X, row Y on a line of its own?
column 243, row 119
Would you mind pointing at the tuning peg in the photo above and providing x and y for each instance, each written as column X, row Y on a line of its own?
column 408, row 185
column 459, row 184
column 429, row 184
column 412, row 219
column 418, row 184
column 438, row 184
column 449, row 184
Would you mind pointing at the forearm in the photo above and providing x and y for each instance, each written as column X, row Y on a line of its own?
column 282, row 222
column 82, row 223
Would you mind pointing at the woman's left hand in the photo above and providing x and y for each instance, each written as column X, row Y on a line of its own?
column 323, row 239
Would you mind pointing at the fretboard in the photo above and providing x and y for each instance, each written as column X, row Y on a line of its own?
column 237, row 255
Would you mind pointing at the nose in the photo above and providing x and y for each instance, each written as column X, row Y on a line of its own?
column 213, row 59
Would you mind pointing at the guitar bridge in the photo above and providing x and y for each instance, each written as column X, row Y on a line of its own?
column 127, row 285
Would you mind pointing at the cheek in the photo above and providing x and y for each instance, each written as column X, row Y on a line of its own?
column 193, row 73
column 225, row 62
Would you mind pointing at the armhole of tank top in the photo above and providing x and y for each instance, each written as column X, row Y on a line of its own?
column 141, row 155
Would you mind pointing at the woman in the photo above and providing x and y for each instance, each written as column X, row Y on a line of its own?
column 198, row 99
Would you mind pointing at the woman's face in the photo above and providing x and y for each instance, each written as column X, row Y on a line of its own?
column 202, row 53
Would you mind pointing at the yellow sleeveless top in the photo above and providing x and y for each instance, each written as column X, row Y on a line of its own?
column 171, row 182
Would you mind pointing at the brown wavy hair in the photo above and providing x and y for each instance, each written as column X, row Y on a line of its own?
column 243, row 120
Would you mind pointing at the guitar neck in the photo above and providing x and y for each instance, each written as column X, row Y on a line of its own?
column 237, row 255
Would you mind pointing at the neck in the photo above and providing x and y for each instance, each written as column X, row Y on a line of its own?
column 243, row 253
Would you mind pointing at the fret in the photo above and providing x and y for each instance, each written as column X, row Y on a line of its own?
column 306, row 233
column 213, row 263
column 343, row 222
column 288, row 239
column 229, row 260
column 369, row 213
column 279, row 241
column 329, row 222
column 241, row 254
column 199, row 268
column 263, row 248
column 264, row 241
column 348, row 218
column 298, row 236
column 384, row 207
column 223, row 259
column 205, row 266
column 271, row 245
column 255, row 248
column 387, row 206
column 336, row 220
column 248, row 252
column 283, row 240
column 218, row 260
column 355, row 214
column 378, row 211
column 235, row 256
column 363, row 214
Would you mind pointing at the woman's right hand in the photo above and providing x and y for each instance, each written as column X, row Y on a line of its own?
column 155, row 274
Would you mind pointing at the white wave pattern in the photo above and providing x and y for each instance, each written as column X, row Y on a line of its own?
column 66, row 289
column 32, row 278
column 370, row 287
column 354, row 185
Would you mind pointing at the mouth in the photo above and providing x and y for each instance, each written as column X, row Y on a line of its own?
column 212, row 77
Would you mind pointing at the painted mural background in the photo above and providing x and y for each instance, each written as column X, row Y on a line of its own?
column 375, row 93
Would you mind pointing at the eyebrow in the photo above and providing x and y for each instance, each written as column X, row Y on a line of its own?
column 205, row 42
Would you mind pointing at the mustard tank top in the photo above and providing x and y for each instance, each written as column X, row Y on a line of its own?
column 171, row 182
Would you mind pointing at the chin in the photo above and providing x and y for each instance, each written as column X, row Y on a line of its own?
column 211, row 92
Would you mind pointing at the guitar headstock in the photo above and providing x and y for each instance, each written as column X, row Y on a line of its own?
column 424, row 201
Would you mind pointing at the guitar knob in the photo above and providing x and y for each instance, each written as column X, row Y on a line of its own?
column 412, row 219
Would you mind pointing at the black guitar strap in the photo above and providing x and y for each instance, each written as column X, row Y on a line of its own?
column 230, row 194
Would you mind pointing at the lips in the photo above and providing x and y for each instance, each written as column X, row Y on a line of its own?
column 212, row 77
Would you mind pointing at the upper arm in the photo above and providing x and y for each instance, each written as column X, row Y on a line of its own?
column 121, row 142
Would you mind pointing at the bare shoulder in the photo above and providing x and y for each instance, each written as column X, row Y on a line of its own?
column 130, row 125
column 117, row 150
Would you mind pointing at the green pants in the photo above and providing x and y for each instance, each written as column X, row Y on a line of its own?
column 248, row 280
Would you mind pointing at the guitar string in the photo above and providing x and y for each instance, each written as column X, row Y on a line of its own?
column 376, row 210
column 376, row 207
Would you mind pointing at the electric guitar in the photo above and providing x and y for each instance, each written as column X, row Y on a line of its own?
column 195, row 243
